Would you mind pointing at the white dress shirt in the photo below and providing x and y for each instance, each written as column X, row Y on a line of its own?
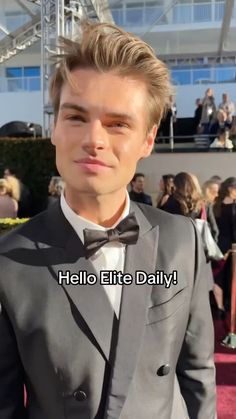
column 110, row 257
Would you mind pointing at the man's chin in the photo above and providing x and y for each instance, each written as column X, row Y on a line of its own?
column 91, row 190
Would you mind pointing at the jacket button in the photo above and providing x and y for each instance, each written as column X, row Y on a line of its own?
column 80, row 395
column 163, row 370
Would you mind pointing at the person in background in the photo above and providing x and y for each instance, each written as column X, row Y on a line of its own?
column 208, row 116
column 197, row 116
column 169, row 120
column 166, row 189
column 137, row 193
column 14, row 185
column 21, row 192
column 217, row 179
column 186, row 198
column 227, row 106
column 55, row 189
column 221, row 117
column 210, row 191
column 225, row 213
column 8, row 205
column 222, row 140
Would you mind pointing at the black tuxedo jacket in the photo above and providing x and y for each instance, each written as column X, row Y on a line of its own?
column 58, row 340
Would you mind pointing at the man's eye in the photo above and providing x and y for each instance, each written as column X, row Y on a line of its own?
column 75, row 118
column 118, row 125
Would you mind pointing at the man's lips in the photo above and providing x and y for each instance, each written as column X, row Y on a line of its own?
column 90, row 163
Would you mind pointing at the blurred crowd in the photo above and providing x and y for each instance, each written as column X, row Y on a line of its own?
column 214, row 124
column 214, row 202
column 16, row 199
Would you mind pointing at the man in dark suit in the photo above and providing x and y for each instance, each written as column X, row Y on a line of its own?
column 137, row 193
column 104, row 302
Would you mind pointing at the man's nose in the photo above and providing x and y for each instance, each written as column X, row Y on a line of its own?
column 95, row 136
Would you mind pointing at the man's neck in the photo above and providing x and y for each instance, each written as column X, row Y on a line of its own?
column 103, row 210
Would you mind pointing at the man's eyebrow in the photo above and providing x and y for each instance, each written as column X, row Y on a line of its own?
column 68, row 105
column 118, row 115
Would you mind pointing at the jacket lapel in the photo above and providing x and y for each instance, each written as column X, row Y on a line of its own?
column 63, row 251
column 89, row 303
column 141, row 257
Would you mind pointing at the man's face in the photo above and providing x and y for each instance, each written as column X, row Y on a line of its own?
column 224, row 97
column 214, row 191
column 101, row 131
column 138, row 184
column 209, row 92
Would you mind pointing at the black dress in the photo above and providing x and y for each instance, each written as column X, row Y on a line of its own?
column 227, row 235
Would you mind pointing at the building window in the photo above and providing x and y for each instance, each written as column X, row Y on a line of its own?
column 23, row 79
column 203, row 75
column 181, row 76
column 14, row 72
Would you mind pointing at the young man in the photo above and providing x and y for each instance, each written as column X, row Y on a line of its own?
column 137, row 193
column 104, row 302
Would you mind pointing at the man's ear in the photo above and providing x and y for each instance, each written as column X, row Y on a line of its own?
column 149, row 142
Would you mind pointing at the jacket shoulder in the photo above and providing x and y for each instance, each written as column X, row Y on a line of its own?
column 23, row 232
column 157, row 216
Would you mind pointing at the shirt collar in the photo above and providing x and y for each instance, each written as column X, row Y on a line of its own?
column 79, row 223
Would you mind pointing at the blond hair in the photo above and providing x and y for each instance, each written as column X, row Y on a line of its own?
column 14, row 185
column 5, row 186
column 105, row 47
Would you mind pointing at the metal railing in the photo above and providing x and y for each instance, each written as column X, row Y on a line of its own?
column 195, row 142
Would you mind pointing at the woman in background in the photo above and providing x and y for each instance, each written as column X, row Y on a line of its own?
column 14, row 185
column 225, row 213
column 8, row 205
column 210, row 191
column 208, row 117
column 186, row 198
column 166, row 189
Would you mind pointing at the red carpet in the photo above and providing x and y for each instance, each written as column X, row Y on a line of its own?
column 225, row 360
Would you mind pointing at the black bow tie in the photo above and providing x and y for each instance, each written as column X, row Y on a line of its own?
column 126, row 232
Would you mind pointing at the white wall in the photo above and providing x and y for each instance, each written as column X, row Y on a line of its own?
column 186, row 96
column 21, row 107
column 203, row 165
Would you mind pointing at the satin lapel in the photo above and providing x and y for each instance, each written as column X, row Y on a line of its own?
column 90, row 306
column 133, row 313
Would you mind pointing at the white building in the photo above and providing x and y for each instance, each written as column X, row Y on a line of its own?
column 197, row 38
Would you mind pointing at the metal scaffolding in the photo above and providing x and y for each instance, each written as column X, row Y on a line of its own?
column 54, row 18
column 17, row 41
column 61, row 19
